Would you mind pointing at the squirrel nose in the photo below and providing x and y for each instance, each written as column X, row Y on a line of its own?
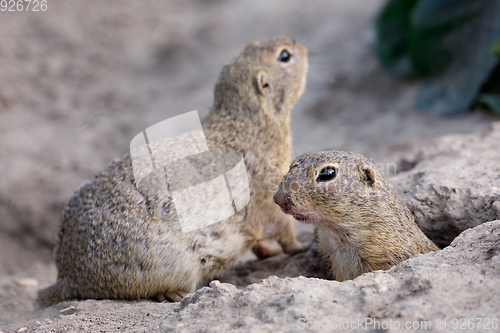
column 279, row 197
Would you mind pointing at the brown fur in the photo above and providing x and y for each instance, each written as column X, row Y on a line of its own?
column 117, row 241
column 362, row 225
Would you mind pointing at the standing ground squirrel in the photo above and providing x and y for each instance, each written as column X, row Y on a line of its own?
column 362, row 225
column 117, row 241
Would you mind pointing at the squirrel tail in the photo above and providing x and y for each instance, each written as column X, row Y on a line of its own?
column 48, row 296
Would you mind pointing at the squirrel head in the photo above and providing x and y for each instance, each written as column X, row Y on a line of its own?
column 330, row 186
column 268, row 76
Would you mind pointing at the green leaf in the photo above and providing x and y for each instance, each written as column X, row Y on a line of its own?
column 491, row 101
column 495, row 49
column 492, row 85
column 392, row 27
column 433, row 23
column 450, row 42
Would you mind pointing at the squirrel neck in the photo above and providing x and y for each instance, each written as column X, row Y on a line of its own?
column 256, row 133
column 265, row 144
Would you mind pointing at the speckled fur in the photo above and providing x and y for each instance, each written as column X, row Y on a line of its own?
column 115, row 241
column 362, row 225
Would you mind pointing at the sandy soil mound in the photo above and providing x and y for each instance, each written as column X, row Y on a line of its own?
column 454, row 184
column 419, row 293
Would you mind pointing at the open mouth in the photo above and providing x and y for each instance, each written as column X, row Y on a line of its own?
column 299, row 216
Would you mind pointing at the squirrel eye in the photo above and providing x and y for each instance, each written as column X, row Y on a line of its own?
column 284, row 56
column 326, row 174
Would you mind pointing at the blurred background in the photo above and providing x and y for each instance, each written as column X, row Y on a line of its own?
column 79, row 80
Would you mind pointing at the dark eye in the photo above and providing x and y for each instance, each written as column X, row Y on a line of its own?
column 326, row 174
column 284, row 56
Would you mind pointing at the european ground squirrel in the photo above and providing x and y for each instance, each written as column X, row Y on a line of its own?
column 116, row 241
column 362, row 225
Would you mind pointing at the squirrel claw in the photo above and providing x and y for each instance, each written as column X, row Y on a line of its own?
column 171, row 296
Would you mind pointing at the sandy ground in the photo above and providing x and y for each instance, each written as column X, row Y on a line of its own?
column 79, row 81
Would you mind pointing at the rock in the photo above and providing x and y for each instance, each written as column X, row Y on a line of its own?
column 460, row 281
column 431, row 291
column 27, row 282
column 214, row 283
column 454, row 185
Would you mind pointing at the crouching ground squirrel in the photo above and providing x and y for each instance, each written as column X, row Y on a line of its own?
column 362, row 225
column 116, row 241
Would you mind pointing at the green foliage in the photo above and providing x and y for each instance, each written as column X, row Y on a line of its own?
column 495, row 49
column 491, row 101
column 490, row 92
column 393, row 34
column 447, row 43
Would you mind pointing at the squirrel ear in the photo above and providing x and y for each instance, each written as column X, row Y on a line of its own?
column 264, row 84
column 368, row 175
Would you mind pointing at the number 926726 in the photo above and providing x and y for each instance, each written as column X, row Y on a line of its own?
column 23, row 5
